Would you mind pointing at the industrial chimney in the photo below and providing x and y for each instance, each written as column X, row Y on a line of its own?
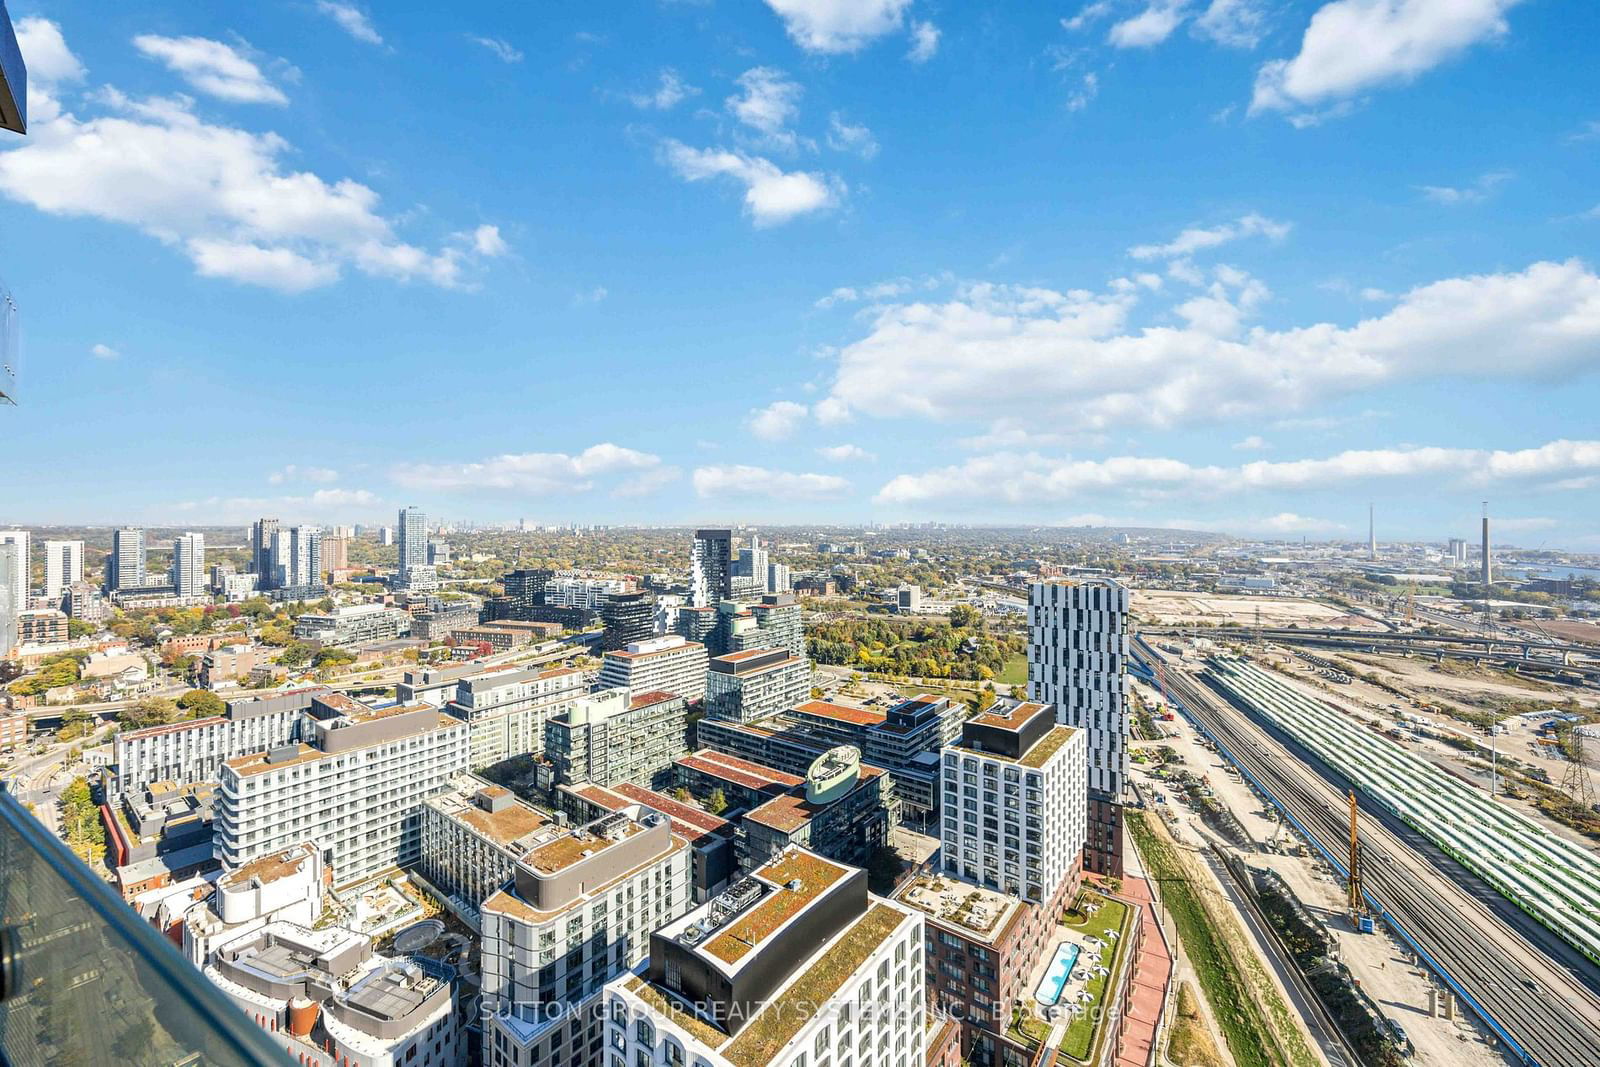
column 1488, row 569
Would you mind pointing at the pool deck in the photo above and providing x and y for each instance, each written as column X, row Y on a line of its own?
column 1066, row 979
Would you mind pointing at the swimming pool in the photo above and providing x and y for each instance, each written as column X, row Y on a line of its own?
column 1055, row 976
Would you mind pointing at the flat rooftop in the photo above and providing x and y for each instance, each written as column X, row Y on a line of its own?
column 506, row 827
column 1013, row 718
column 843, row 713
column 739, row 771
column 792, row 810
column 798, row 878
column 575, row 845
column 975, row 912
column 264, row 870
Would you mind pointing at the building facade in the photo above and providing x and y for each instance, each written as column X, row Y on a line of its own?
column 353, row 625
column 797, row 965
column 189, row 752
column 189, row 565
column 1078, row 661
column 579, row 911
column 125, row 564
column 710, row 568
column 750, row 685
column 353, row 786
column 473, row 834
column 63, row 566
column 1013, row 816
column 614, row 736
column 506, row 709
column 662, row 664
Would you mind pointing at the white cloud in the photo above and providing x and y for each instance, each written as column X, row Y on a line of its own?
column 880, row 291
column 924, row 42
column 776, row 421
column 845, row 453
column 1476, row 193
column 1087, row 14
column 1589, row 131
column 1253, row 443
column 104, row 351
column 486, row 241
column 218, row 193
column 504, row 51
column 768, row 101
column 771, row 195
column 1018, row 478
column 212, row 67
column 1087, row 89
column 847, row 137
column 1236, row 23
column 1149, row 27
column 670, row 91
column 759, row 481
column 321, row 505
column 540, row 472
column 1197, row 239
column 352, row 20
column 50, row 62
column 836, row 26
column 1072, row 358
column 293, row 473
column 1352, row 46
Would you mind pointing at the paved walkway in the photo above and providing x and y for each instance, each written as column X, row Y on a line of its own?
column 1152, row 971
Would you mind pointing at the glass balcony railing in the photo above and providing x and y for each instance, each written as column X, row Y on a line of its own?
column 84, row 982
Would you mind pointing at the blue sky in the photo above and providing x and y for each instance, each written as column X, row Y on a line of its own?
column 1221, row 263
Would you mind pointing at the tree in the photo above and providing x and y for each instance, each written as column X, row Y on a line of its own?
column 964, row 615
column 717, row 802
column 149, row 711
column 77, row 628
column 200, row 703
column 295, row 654
column 332, row 657
column 80, row 820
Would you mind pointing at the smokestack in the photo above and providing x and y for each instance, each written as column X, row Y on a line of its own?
column 1488, row 570
column 1372, row 535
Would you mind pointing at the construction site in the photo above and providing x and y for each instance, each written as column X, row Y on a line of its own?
column 1413, row 850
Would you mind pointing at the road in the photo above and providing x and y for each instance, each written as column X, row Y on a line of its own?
column 1543, row 1007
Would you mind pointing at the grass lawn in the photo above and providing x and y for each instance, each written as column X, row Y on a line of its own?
column 1111, row 915
column 1247, row 1026
column 1015, row 671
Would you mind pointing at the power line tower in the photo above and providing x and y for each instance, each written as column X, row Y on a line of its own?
column 1575, row 779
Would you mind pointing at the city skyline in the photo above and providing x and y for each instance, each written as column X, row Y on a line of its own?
column 1107, row 264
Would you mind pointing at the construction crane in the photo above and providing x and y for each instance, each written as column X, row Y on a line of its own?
column 1358, row 904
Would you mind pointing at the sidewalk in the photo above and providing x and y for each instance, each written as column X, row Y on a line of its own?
column 1152, row 972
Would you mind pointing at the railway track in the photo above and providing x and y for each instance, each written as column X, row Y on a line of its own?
column 1543, row 1013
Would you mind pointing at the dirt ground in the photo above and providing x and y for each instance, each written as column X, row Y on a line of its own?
column 1376, row 960
column 1170, row 608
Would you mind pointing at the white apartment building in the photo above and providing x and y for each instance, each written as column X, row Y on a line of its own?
column 354, row 625
column 581, row 591
column 188, row 752
column 507, row 708
column 63, row 566
column 1078, row 661
column 473, row 834
column 279, row 887
column 579, row 911
column 753, row 684
column 796, row 965
column 610, row 737
column 670, row 664
column 331, row 1002
column 189, row 564
column 19, row 575
column 353, row 786
column 1013, row 812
